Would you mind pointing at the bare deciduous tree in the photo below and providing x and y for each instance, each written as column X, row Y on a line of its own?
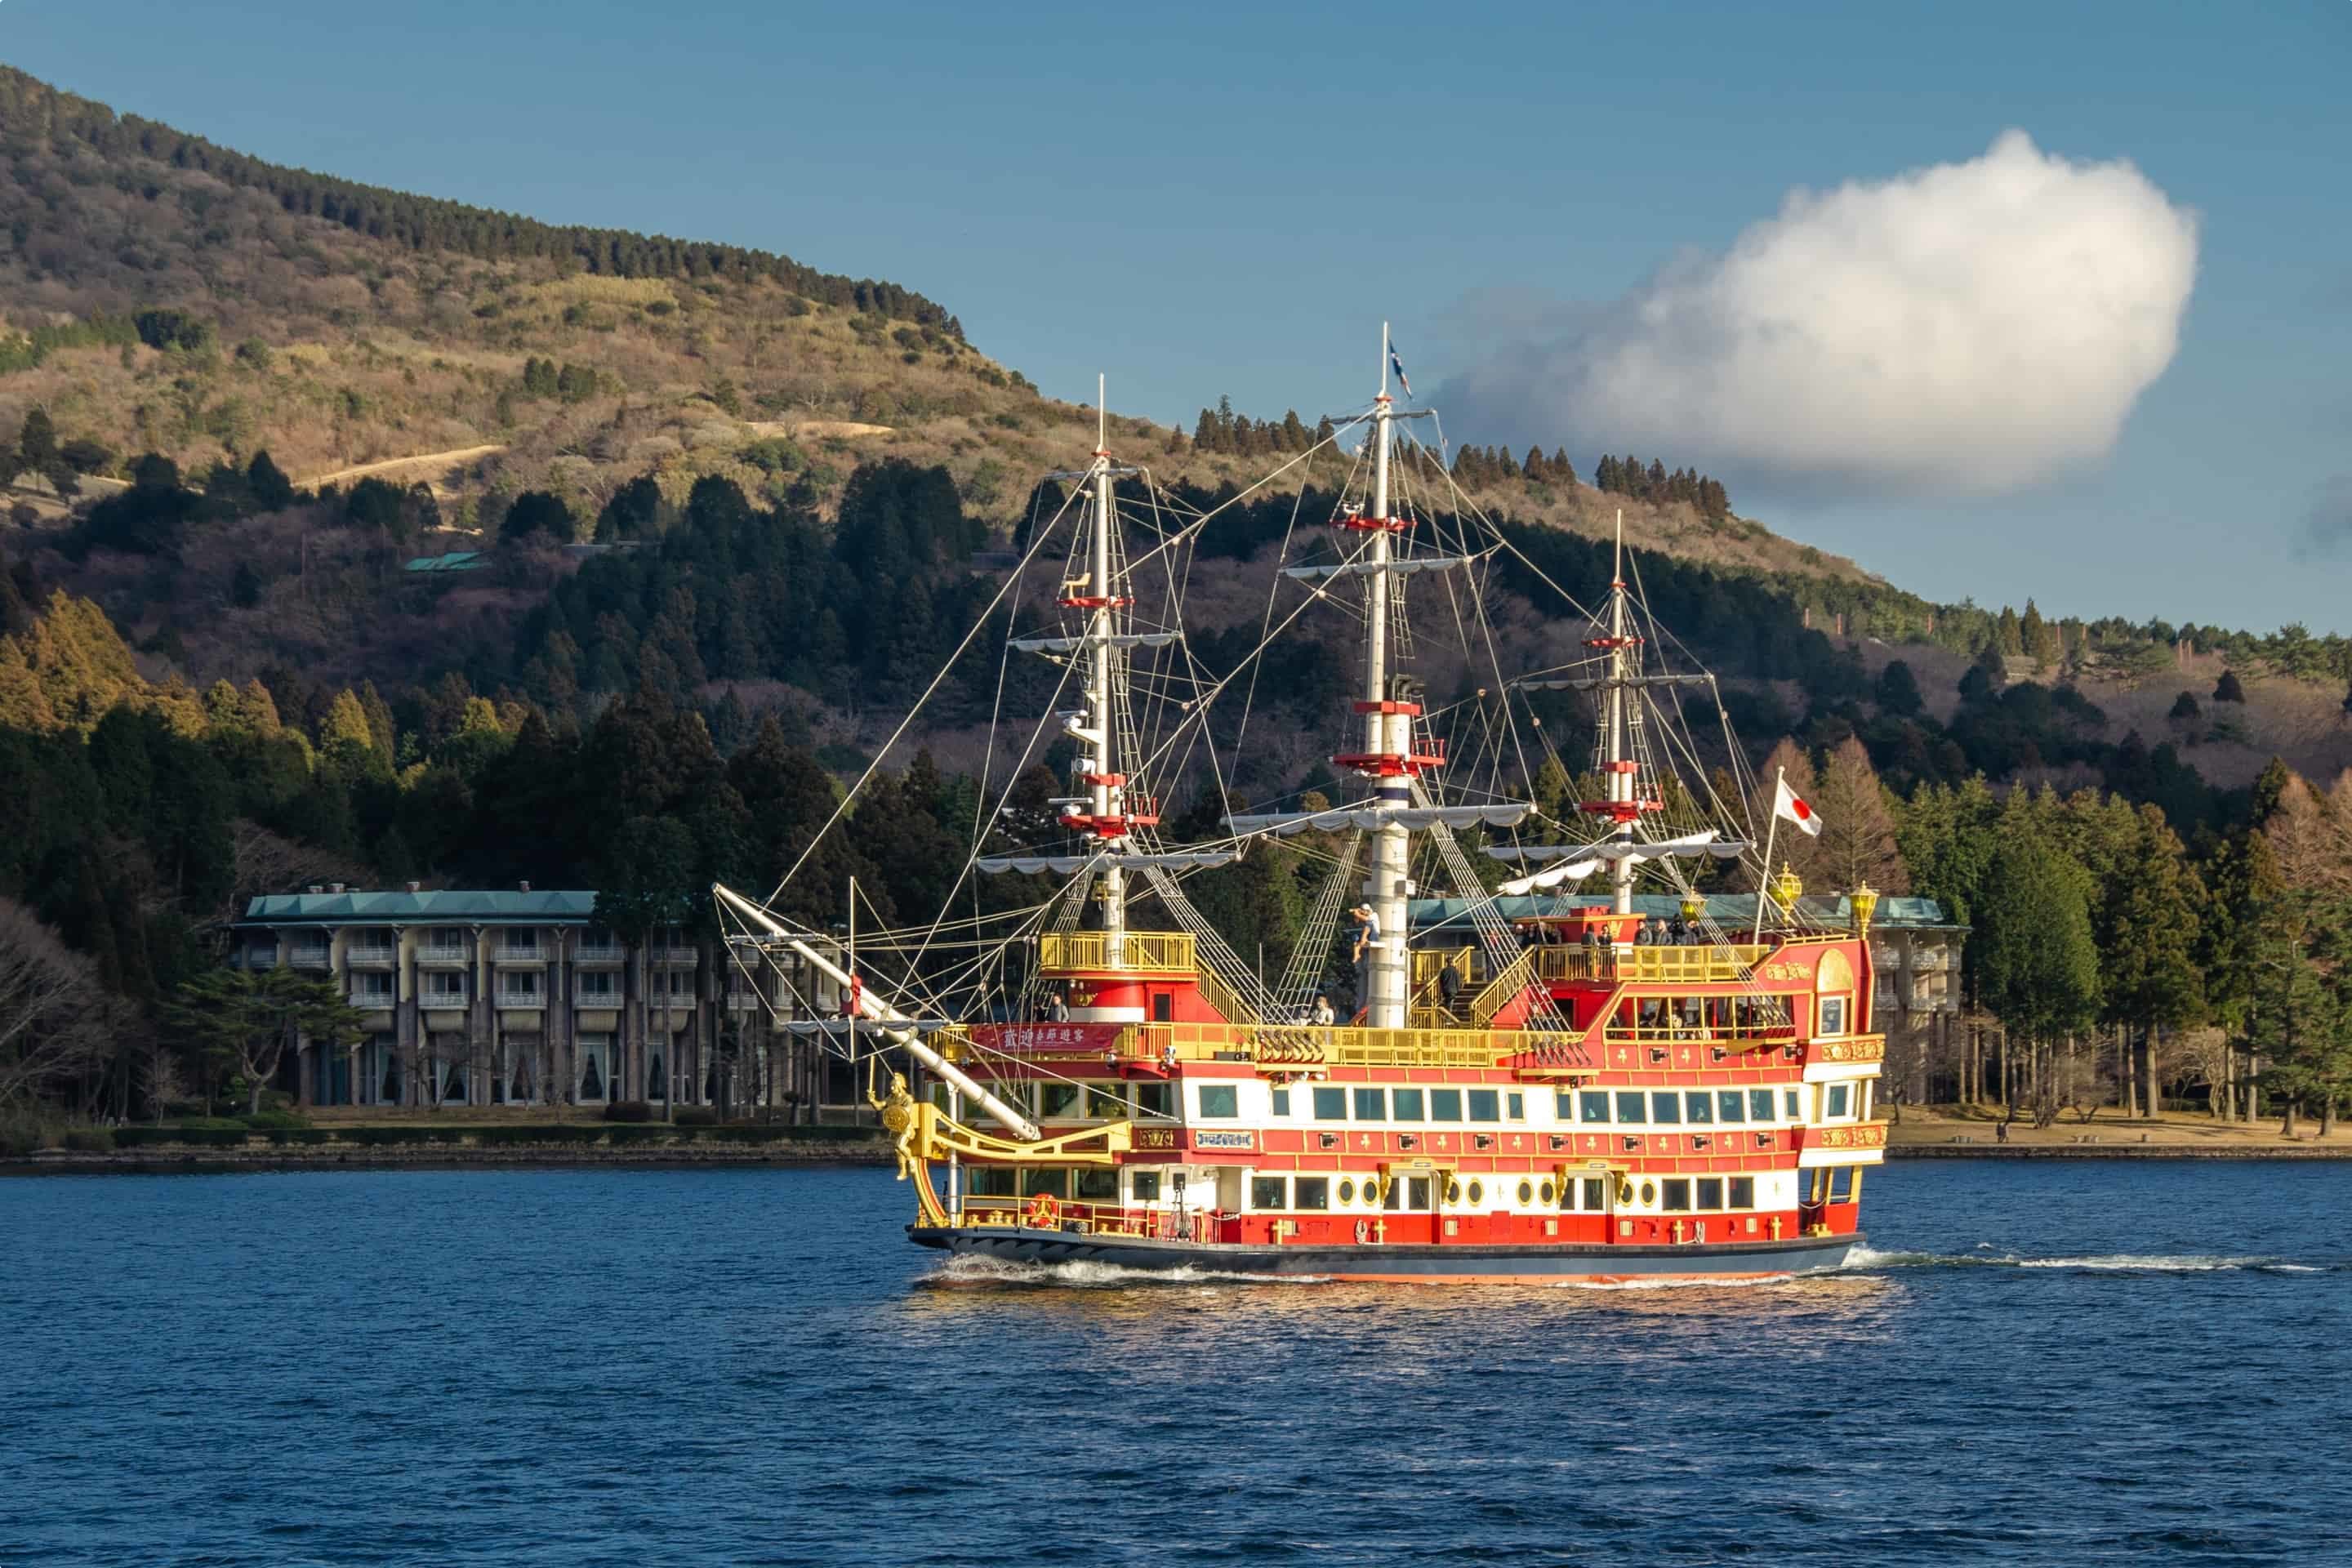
column 56, row 1018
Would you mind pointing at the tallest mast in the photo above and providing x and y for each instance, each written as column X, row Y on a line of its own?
column 1105, row 786
column 1388, row 743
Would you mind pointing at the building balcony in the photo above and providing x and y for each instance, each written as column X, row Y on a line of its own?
column 507, row 1000
column 445, row 1002
column 372, row 1001
column 437, row 956
column 679, row 957
column 598, row 955
column 371, row 958
column 582, row 996
column 311, row 958
column 514, row 955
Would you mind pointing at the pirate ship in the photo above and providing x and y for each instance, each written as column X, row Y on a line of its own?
column 1576, row 1094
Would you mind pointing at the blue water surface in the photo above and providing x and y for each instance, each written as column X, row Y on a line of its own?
column 2038, row 1363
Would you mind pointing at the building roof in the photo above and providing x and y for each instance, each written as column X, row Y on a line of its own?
column 552, row 907
column 1729, row 911
column 454, row 561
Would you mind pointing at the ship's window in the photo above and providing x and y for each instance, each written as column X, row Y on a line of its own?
column 1369, row 1106
column 1346, row 1191
column 1220, row 1101
column 1592, row 1107
column 1677, row 1196
column 1404, row 1104
column 1098, row 1186
column 1631, row 1109
column 1760, row 1105
column 1726, row 1104
column 1145, row 1186
column 1266, row 1191
column 1789, row 1104
column 1845, row 1184
column 1649, row 1193
column 1527, row 1191
column 1056, row 1183
column 1477, row 1191
column 1282, row 1102
column 1841, row 1097
column 1057, row 1099
column 1517, row 1106
column 1563, row 1105
column 1152, row 1100
column 1452, row 1191
column 1666, row 1108
column 1445, row 1105
column 1546, row 1192
column 1710, row 1191
column 994, row 1182
column 1595, row 1194
column 1417, row 1192
column 1106, row 1101
column 1699, row 1108
column 1833, row 1015
column 1486, row 1105
column 1743, row 1192
column 1313, row 1193
column 1372, row 1192
column 1330, row 1104
column 1163, row 1007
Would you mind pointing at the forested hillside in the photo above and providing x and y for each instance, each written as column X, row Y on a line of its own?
column 705, row 521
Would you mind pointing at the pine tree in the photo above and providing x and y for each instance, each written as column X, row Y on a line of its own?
column 1858, row 841
column 2229, row 689
column 2010, row 637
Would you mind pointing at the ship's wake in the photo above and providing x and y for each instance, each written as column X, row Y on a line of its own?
column 972, row 1271
column 1747, row 1282
column 1870, row 1260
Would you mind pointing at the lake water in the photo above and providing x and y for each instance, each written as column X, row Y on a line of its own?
column 2040, row 1363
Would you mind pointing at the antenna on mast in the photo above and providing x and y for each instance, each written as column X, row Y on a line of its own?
column 1102, row 415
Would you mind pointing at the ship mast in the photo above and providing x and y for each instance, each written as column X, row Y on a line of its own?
column 1107, row 785
column 1617, row 763
column 1387, row 734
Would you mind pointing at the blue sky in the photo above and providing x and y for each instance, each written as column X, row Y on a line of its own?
column 1215, row 199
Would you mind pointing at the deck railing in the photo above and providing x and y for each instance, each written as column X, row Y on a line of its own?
column 1713, row 965
column 1143, row 952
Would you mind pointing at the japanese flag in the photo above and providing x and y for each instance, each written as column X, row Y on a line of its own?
column 1788, row 802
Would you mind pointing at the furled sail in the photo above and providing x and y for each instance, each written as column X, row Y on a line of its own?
column 1071, row 864
column 1412, row 818
column 1574, row 862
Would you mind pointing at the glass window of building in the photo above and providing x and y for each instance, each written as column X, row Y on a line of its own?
column 1445, row 1105
column 1282, row 1102
column 1486, row 1105
column 1220, row 1101
column 1404, row 1104
column 1313, row 1193
column 1845, row 1184
column 1833, row 1015
column 1098, row 1185
column 1330, row 1104
column 1666, row 1108
column 1153, row 1099
column 1789, row 1104
column 1760, row 1105
column 1841, row 1100
column 1145, row 1186
column 1371, row 1105
column 1268, row 1191
column 1057, row 1099
column 1698, row 1107
column 1710, row 1191
column 1595, row 1194
column 1106, row 1101
column 1676, row 1194
column 1591, row 1107
column 1727, row 1105
column 1743, row 1192
column 1515, row 1105
column 1053, row 1183
column 1632, row 1108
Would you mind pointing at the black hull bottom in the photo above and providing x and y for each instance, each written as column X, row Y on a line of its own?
column 1457, row 1264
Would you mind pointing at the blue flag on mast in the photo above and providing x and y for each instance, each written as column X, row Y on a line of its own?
column 1397, row 365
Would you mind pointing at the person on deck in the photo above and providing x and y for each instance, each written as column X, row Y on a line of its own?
column 1324, row 1017
column 1057, row 1010
column 1449, row 987
column 1642, row 934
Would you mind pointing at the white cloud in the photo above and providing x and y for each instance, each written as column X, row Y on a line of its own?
column 1958, row 330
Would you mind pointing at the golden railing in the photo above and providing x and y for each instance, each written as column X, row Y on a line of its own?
column 1650, row 965
column 1508, row 984
column 1143, row 952
column 1218, row 995
column 1308, row 1045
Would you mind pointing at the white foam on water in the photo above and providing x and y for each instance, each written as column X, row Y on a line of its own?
column 972, row 1269
column 1983, row 1256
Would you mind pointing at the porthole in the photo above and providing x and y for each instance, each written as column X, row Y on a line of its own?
column 1547, row 1194
column 1452, row 1191
column 1373, row 1193
column 1346, row 1192
column 1477, row 1192
column 1527, row 1193
column 1649, row 1193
